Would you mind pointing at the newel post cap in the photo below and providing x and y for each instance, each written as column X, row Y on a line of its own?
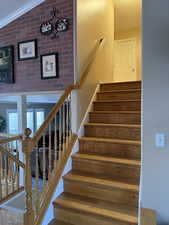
column 27, row 133
column 27, row 141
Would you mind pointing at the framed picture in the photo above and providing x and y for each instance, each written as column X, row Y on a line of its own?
column 49, row 66
column 27, row 50
column 7, row 64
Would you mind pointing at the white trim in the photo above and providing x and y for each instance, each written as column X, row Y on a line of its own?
column 19, row 12
column 89, row 109
column 75, row 40
column 7, row 116
column 32, row 93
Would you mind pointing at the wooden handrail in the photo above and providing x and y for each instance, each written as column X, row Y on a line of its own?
column 55, row 181
column 10, row 139
column 63, row 143
column 87, row 66
column 51, row 115
column 67, row 92
column 10, row 156
column 34, row 214
column 7, row 135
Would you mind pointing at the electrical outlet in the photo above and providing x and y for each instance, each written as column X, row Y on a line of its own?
column 160, row 140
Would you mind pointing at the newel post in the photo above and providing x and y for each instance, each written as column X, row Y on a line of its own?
column 27, row 149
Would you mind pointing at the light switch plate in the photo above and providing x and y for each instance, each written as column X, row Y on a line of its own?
column 160, row 140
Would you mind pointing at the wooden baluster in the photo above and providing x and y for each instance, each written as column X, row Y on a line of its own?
column 17, row 172
column 1, row 176
column 60, row 133
column 44, row 160
column 37, row 179
column 27, row 149
column 67, row 122
column 10, row 167
column 69, row 108
column 63, row 128
column 13, row 176
column 55, row 142
column 50, row 152
column 6, row 175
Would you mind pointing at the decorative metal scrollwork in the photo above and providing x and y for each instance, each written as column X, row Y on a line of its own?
column 53, row 28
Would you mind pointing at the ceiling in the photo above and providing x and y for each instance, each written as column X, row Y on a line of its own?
column 12, row 9
column 127, row 14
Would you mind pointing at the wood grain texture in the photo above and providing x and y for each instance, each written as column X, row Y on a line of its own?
column 120, row 86
column 105, row 190
column 119, row 105
column 118, row 117
column 148, row 216
column 103, row 186
column 119, row 94
column 110, row 147
column 114, row 131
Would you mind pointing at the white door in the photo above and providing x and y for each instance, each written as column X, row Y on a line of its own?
column 125, row 68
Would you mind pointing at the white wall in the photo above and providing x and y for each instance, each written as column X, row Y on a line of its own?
column 95, row 20
column 155, row 168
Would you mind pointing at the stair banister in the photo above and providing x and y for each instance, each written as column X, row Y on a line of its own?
column 10, row 167
column 52, row 143
column 63, row 143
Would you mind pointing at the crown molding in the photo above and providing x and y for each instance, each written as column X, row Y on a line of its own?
column 19, row 12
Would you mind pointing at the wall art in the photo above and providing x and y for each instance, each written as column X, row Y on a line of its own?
column 54, row 25
column 27, row 50
column 7, row 64
column 49, row 66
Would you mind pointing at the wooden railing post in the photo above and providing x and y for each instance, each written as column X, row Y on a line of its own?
column 27, row 149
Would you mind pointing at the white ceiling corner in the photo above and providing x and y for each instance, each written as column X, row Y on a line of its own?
column 11, row 10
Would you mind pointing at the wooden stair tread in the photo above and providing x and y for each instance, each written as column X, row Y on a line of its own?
column 123, row 82
column 113, row 101
column 58, row 222
column 120, row 112
column 113, row 125
column 109, row 140
column 94, row 180
column 107, row 177
column 99, row 158
column 120, row 90
column 90, row 206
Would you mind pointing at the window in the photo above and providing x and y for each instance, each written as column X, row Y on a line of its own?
column 12, row 121
column 40, row 117
column 30, row 120
column 35, row 118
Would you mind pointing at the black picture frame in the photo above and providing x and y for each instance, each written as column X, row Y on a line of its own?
column 32, row 46
column 51, row 62
column 7, row 64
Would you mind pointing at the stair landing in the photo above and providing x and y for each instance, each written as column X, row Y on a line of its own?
column 10, row 218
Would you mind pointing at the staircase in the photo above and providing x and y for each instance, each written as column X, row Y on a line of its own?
column 103, row 186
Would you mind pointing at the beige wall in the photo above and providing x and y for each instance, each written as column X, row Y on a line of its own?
column 134, row 33
column 155, row 164
column 95, row 20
